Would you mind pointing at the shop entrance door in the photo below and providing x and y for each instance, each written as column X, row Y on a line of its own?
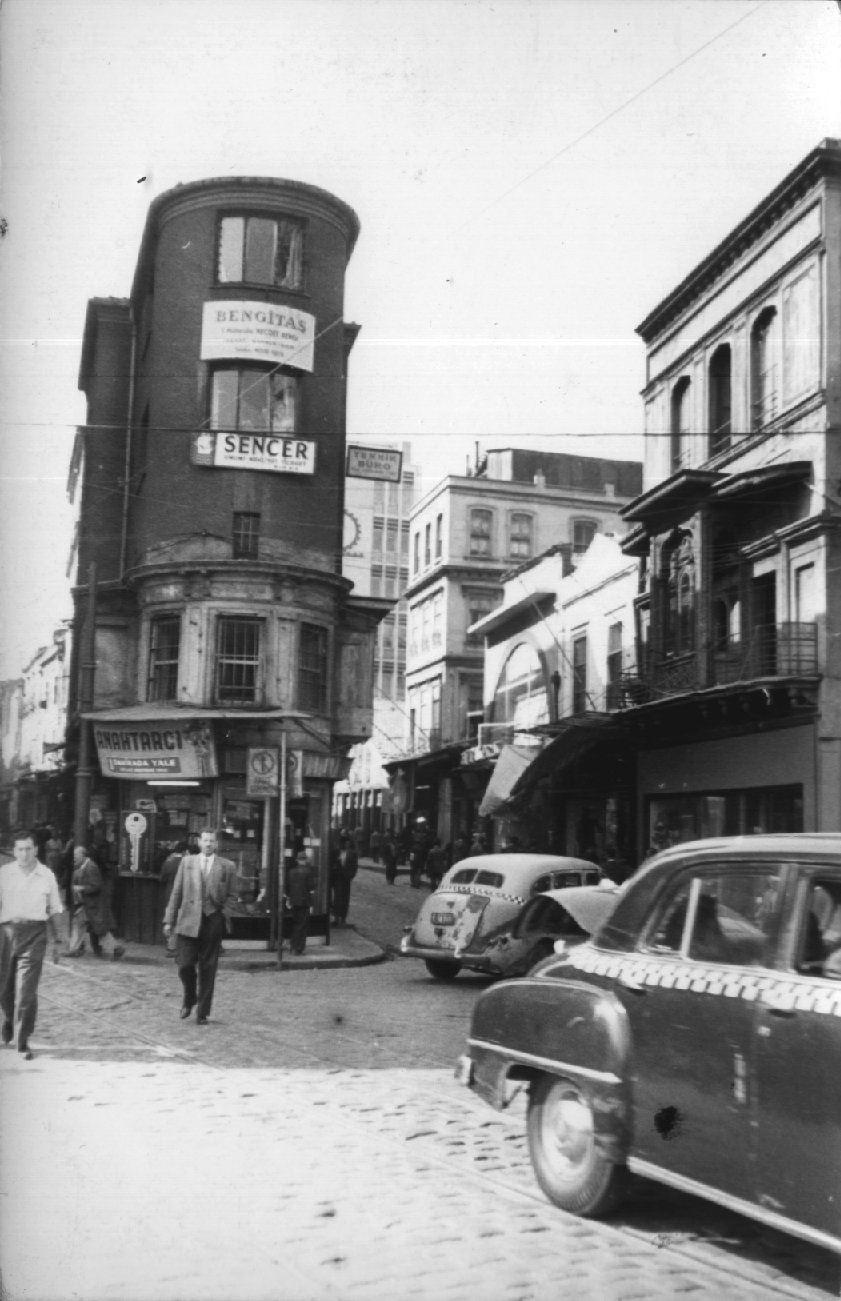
column 242, row 840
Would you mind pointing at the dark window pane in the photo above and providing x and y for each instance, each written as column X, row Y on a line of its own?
column 246, row 534
column 260, row 237
column 164, row 642
column 312, row 668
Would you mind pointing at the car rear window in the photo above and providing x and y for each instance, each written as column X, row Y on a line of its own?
column 489, row 878
column 463, row 877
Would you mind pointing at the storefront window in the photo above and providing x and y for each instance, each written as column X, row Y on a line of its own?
column 673, row 819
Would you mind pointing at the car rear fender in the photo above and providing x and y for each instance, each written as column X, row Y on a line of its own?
column 527, row 1028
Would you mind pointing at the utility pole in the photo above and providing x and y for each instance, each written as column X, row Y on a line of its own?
column 85, row 701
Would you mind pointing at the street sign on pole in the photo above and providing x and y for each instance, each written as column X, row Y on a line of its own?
column 262, row 771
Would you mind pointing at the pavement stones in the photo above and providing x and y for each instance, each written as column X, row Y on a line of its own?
column 168, row 1181
column 287, row 1152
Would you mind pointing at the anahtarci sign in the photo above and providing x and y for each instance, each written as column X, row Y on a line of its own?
column 138, row 751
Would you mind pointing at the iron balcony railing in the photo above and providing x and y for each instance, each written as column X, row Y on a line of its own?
column 775, row 650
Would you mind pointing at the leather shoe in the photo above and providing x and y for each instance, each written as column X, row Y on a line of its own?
column 201, row 1020
column 186, row 1009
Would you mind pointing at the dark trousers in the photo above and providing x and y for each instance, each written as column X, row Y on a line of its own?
column 296, row 921
column 341, row 897
column 22, row 949
column 197, row 956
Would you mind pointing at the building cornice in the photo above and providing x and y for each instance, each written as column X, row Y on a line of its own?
column 269, row 193
column 822, row 163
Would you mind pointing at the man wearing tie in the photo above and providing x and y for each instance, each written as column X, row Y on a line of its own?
column 204, row 886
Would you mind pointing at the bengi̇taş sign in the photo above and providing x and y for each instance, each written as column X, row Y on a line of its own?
column 279, row 453
column 233, row 329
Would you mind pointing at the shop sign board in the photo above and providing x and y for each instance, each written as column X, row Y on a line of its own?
column 278, row 453
column 159, row 748
column 262, row 771
column 255, row 331
column 373, row 463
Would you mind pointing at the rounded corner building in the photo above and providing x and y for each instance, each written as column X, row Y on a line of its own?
column 220, row 631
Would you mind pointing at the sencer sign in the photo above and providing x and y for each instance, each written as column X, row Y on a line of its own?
column 279, row 453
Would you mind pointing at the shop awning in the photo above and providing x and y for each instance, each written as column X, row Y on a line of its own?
column 575, row 737
column 512, row 762
column 503, row 613
column 159, row 713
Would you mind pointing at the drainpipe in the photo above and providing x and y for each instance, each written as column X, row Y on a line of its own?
column 84, row 703
column 127, row 462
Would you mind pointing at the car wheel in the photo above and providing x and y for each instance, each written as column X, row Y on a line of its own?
column 442, row 968
column 564, row 1154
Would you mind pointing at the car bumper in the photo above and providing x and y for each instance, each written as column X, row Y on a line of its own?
column 475, row 961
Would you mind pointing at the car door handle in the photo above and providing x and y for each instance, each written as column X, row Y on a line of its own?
column 779, row 1005
column 631, row 983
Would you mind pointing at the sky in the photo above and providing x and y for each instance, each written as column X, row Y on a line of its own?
column 531, row 177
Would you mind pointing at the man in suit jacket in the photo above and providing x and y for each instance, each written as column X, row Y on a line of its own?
column 197, row 912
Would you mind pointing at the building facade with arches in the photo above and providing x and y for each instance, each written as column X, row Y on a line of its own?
column 734, row 703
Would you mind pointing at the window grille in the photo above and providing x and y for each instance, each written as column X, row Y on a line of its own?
column 237, row 661
column 164, row 644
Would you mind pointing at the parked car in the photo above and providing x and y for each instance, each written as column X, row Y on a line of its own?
column 460, row 923
column 549, row 923
column 694, row 1040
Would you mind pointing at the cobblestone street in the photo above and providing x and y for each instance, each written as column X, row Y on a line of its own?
column 311, row 1142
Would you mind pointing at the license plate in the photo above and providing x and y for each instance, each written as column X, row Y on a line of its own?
column 443, row 919
column 464, row 1070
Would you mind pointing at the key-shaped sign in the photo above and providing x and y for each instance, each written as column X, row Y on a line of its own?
column 135, row 826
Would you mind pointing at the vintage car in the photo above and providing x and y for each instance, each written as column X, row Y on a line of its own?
column 478, row 899
column 694, row 1040
column 549, row 923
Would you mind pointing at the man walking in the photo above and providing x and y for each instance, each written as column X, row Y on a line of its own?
column 299, row 900
column 29, row 907
column 88, row 892
column 197, row 912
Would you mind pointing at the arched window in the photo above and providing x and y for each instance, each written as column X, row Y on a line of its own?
column 720, row 400
column 763, row 368
column 481, row 528
column 679, row 613
column 680, row 424
column 521, row 695
column 520, row 538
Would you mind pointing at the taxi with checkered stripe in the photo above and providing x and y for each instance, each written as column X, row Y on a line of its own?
column 462, row 922
column 695, row 1039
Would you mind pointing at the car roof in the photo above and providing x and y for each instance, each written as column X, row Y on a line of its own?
column 820, row 843
column 523, row 867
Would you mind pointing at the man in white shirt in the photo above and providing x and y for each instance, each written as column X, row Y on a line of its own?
column 197, row 911
column 30, row 905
